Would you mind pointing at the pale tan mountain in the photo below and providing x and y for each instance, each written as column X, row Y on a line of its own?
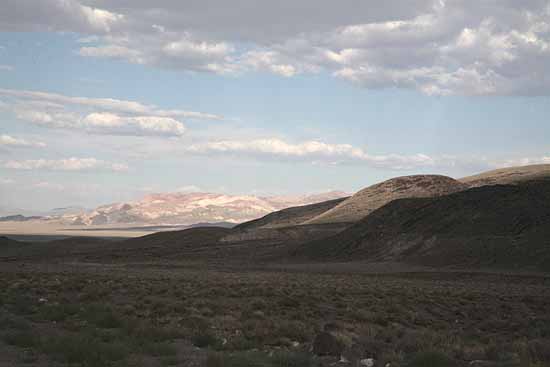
column 373, row 197
column 192, row 208
column 509, row 176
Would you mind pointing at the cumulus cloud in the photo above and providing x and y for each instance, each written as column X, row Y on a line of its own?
column 168, row 50
column 313, row 151
column 57, row 15
column 140, row 125
column 10, row 141
column 437, row 47
column 68, row 164
column 105, row 123
column 98, row 115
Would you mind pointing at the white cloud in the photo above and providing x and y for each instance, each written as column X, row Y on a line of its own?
column 106, row 123
column 10, row 141
column 168, row 50
column 141, row 125
column 108, row 104
column 98, row 115
column 312, row 151
column 69, row 164
column 4, row 67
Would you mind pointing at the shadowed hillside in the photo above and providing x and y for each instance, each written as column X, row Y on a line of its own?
column 373, row 197
column 290, row 217
column 491, row 226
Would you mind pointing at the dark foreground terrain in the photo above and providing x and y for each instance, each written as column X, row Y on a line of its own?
column 164, row 314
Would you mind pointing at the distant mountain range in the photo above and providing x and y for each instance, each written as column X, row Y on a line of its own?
column 19, row 218
column 188, row 209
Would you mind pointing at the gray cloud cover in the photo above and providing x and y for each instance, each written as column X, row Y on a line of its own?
column 438, row 47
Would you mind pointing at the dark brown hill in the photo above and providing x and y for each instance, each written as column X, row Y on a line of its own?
column 192, row 237
column 492, row 226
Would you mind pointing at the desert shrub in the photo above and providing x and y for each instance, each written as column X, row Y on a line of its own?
column 539, row 350
column 237, row 360
column 159, row 349
column 13, row 322
column 169, row 360
column 102, row 316
column 196, row 323
column 23, row 339
column 258, row 304
column 143, row 332
column 240, row 343
column 257, row 359
column 57, row 312
column 431, row 359
column 83, row 350
column 27, row 357
column 205, row 339
column 21, row 305
column 291, row 359
column 294, row 330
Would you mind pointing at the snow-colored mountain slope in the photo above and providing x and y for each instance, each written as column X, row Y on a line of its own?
column 190, row 208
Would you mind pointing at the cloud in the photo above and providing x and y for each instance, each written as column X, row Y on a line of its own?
column 141, row 125
column 69, row 164
column 168, row 50
column 437, row 47
column 318, row 152
column 57, row 15
column 105, row 123
column 10, row 141
column 311, row 151
column 98, row 115
column 108, row 104
column 4, row 67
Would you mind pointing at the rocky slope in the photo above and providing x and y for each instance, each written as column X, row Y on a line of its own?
column 504, row 226
column 373, row 197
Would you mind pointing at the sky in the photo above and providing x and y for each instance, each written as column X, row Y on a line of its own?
column 107, row 100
